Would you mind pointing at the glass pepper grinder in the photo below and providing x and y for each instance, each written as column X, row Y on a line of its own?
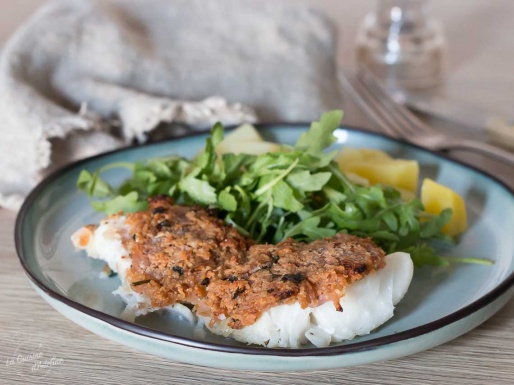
column 402, row 45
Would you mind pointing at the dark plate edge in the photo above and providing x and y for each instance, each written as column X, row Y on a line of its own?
column 328, row 351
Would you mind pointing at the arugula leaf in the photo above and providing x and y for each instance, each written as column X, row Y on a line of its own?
column 297, row 192
column 431, row 228
column 283, row 197
column 93, row 185
column 199, row 190
column 310, row 229
column 320, row 135
column 305, row 181
column 84, row 182
column 422, row 255
column 226, row 200
column 122, row 203
column 277, row 179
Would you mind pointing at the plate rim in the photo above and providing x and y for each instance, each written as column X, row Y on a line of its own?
column 131, row 327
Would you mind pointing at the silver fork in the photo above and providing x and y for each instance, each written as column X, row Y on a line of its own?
column 398, row 122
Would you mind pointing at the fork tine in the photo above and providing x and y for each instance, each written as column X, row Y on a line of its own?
column 374, row 107
column 359, row 96
column 397, row 121
column 407, row 125
column 411, row 122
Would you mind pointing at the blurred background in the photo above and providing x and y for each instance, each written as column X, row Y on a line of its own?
column 478, row 33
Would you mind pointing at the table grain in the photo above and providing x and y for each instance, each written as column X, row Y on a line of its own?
column 480, row 72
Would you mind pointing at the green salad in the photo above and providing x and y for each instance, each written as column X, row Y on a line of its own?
column 298, row 192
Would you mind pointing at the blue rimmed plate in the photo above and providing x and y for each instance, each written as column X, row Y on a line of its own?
column 441, row 304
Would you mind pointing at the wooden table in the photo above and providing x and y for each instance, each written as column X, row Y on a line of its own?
column 28, row 325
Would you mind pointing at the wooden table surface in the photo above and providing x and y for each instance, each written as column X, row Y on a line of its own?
column 480, row 72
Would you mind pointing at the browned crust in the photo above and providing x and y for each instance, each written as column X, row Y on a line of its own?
column 177, row 248
column 185, row 254
column 311, row 273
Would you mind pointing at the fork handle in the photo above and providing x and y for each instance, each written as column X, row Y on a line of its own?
column 483, row 148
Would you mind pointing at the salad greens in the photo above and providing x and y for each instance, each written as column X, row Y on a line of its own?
column 296, row 192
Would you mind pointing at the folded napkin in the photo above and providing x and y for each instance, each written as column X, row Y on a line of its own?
column 82, row 77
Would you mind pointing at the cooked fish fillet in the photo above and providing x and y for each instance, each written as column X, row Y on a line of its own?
column 165, row 255
column 274, row 295
column 365, row 305
column 106, row 242
column 289, row 272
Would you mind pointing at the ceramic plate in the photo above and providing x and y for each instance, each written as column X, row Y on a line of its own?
column 441, row 304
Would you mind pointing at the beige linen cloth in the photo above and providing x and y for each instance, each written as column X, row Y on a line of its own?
column 82, row 77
